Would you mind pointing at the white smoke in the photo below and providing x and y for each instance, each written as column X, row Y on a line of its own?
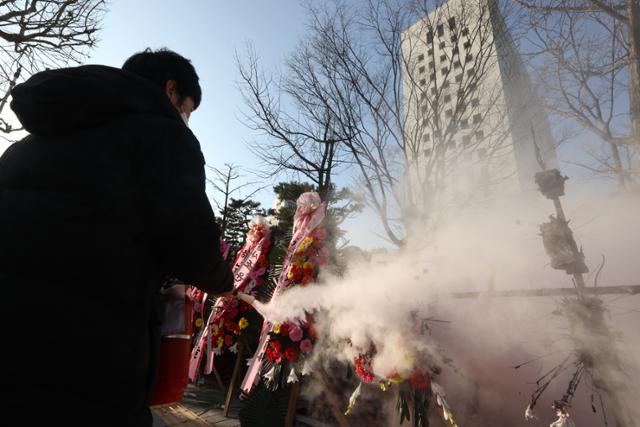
column 478, row 341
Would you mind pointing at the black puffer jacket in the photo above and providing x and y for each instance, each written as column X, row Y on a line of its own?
column 103, row 200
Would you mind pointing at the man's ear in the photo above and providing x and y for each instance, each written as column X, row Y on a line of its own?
column 171, row 89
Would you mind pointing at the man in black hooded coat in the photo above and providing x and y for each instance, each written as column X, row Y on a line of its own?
column 98, row 205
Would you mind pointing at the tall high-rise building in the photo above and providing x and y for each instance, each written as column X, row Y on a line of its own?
column 473, row 119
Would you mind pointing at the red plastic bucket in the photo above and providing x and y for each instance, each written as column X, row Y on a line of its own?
column 173, row 376
column 175, row 348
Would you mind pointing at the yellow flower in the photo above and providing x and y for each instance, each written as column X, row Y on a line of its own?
column 220, row 342
column 276, row 328
column 396, row 378
column 304, row 245
column 243, row 323
column 199, row 322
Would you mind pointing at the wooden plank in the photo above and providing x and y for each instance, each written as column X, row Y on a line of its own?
column 293, row 404
column 178, row 415
column 234, row 379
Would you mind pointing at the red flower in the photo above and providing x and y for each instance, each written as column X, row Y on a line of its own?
column 363, row 368
column 273, row 352
column 230, row 312
column 291, row 354
column 271, row 356
column 284, row 329
column 276, row 346
column 232, row 327
column 228, row 340
column 420, row 380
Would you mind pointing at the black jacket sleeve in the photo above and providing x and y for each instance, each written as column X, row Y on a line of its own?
column 181, row 225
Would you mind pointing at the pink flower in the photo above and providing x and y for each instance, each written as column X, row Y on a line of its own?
column 308, row 202
column 306, row 346
column 295, row 333
column 320, row 233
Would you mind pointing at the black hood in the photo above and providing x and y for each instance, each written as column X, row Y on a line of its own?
column 59, row 101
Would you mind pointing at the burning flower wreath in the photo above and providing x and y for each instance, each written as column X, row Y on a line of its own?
column 290, row 344
column 418, row 386
column 228, row 318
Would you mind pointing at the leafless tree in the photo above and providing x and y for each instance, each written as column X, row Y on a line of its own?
column 293, row 114
column 589, row 52
column 224, row 183
column 36, row 34
column 412, row 120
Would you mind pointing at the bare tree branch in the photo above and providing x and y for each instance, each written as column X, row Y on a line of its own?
column 38, row 34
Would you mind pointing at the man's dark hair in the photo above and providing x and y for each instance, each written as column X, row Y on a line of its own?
column 164, row 65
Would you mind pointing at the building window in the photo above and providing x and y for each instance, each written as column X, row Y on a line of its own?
column 454, row 38
column 440, row 30
column 468, row 58
column 477, row 118
column 430, row 52
column 464, row 123
column 421, row 70
column 452, row 23
column 446, row 84
column 421, row 57
column 430, row 37
column 458, row 78
column 447, row 98
column 475, row 102
column 455, row 50
column 434, row 91
column 442, row 46
column 432, row 65
column 427, row 152
column 423, row 95
column 470, row 72
column 448, row 113
column 456, row 64
column 444, row 71
column 466, row 140
column 465, row 32
column 479, row 135
column 443, row 58
column 423, row 82
column 432, row 77
column 467, row 45
column 423, row 109
column 426, row 137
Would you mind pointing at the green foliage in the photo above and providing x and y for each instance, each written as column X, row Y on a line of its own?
column 237, row 215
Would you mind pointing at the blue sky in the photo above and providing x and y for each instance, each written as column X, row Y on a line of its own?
column 209, row 32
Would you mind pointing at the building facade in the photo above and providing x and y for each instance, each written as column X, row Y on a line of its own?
column 473, row 122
